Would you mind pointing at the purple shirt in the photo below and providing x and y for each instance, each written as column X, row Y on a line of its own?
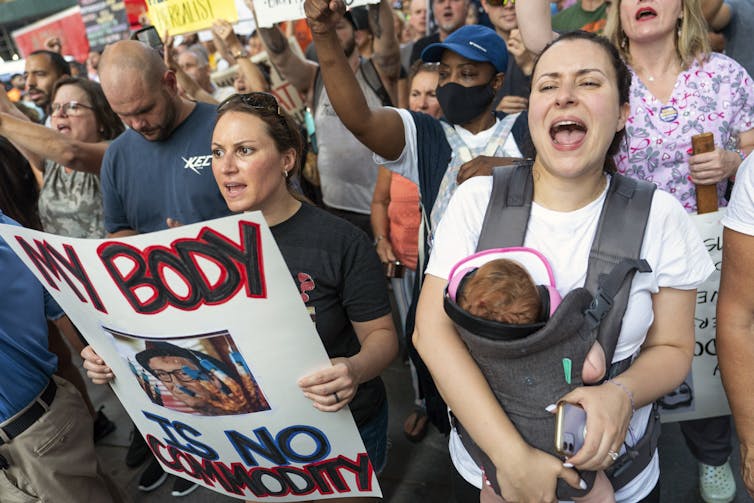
column 717, row 96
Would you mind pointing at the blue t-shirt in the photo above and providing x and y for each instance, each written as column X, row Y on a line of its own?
column 26, row 362
column 738, row 33
column 145, row 182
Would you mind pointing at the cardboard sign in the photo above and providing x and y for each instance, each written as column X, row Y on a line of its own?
column 67, row 25
column 185, row 16
column 106, row 22
column 270, row 12
column 701, row 394
column 207, row 336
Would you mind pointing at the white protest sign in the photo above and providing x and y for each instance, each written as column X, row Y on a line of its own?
column 207, row 335
column 701, row 394
column 270, row 12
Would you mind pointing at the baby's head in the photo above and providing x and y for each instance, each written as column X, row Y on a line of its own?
column 501, row 290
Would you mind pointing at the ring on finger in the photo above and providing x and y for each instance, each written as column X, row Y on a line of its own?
column 335, row 395
column 613, row 455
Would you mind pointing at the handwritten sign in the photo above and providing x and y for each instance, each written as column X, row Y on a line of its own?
column 207, row 336
column 701, row 394
column 106, row 22
column 270, row 12
column 186, row 16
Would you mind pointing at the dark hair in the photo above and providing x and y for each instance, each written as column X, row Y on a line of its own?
column 108, row 122
column 18, row 188
column 159, row 349
column 280, row 126
column 623, row 81
column 58, row 62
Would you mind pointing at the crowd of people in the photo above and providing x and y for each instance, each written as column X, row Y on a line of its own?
column 436, row 138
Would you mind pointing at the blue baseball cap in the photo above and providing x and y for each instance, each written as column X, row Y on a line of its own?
column 474, row 42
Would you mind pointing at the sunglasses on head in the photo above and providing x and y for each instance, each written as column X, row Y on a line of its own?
column 501, row 3
column 265, row 102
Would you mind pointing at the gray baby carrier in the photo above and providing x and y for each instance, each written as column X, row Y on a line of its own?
column 527, row 373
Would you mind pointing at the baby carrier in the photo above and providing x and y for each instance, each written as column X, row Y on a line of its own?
column 532, row 376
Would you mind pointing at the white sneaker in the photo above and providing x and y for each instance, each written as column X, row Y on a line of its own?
column 716, row 483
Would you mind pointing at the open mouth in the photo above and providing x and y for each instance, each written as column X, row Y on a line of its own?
column 234, row 188
column 63, row 128
column 568, row 133
column 645, row 13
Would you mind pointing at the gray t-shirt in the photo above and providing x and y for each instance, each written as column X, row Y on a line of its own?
column 738, row 33
column 70, row 204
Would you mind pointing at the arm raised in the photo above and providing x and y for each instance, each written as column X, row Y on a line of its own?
column 381, row 129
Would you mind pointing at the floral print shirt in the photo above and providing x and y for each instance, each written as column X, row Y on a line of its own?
column 716, row 96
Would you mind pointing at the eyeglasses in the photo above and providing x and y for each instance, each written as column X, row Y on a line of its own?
column 265, row 102
column 70, row 108
column 180, row 375
column 501, row 3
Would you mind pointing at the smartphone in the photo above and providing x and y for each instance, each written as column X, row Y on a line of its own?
column 149, row 37
column 570, row 428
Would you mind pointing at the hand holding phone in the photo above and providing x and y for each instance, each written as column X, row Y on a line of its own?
column 570, row 428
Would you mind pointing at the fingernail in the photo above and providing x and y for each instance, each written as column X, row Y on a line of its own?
column 567, row 465
column 582, row 484
column 551, row 407
column 688, row 178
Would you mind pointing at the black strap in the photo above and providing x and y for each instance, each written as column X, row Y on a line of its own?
column 508, row 211
column 372, row 78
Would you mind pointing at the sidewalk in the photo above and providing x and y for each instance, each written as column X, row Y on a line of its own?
column 415, row 473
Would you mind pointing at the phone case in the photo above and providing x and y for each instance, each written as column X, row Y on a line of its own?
column 570, row 429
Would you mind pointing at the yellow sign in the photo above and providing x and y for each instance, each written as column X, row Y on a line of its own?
column 185, row 16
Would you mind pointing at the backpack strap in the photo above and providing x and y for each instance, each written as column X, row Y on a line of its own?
column 508, row 211
column 619, row 236
column 373, row 80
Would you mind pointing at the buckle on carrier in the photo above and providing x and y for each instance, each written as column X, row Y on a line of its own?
column 598, row 309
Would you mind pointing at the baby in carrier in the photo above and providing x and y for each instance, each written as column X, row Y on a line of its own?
column 501, row 290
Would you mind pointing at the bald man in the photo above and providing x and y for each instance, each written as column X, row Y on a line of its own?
column 160, row 168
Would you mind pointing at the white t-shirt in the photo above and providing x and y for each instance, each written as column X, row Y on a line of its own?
column 672, row 247
column 740, row 213
column 407, row 164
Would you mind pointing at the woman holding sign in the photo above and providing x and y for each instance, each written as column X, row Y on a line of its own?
column 256, row 152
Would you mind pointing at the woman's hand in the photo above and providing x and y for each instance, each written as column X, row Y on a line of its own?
column 224, row 31
column 385, row 251
column 323, row 15
column 710, row 168
column 95, row 367
column 532, row 476
column 608, row 412
column 333, row 388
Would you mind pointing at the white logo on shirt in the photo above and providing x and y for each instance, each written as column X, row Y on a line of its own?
column 197, row 162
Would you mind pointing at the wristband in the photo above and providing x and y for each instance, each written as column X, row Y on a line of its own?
column 243, row 53
column 377, row 240
column 627, row 392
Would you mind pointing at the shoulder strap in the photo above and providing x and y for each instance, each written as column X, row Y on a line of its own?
column 508, row 211
column 619, row 236
column 373, row 80
column 318, row 84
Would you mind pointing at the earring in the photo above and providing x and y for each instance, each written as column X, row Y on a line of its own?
column 623, row 42
column 285, row 174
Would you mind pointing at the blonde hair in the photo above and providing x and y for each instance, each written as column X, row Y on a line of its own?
column 691, row 41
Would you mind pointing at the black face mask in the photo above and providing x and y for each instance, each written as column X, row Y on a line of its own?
column 461, row 104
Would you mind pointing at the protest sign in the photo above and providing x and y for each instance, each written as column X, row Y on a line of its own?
column 289, row 98
column 185, row 16
column 270, row 12
column 701, row 394
column 106, row 22
column 207, row 336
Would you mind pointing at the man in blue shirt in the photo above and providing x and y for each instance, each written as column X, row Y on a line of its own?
column 46, row 446
column 160, row 168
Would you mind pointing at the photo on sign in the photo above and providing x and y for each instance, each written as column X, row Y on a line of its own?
column 202, row 374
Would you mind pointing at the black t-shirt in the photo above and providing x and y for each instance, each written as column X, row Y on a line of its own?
column 340, row 278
